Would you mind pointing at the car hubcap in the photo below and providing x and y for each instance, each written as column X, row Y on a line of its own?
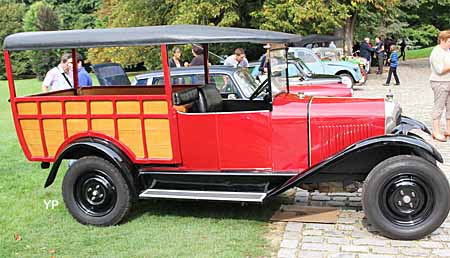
column 406, row 200
column 95, row 193
column 347, row 81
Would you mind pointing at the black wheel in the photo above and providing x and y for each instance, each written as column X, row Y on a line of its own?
column 406, row 197
column 347, row 79
column 95, row 192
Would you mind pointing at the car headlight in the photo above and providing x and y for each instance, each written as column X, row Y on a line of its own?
column 392, row 112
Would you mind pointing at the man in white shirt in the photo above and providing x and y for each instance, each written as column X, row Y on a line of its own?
column 59, row 77
column 237, row 59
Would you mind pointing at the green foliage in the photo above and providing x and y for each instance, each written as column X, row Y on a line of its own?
column 11, row 22
column 302, row 17
column 41, row 17
column 422, row 35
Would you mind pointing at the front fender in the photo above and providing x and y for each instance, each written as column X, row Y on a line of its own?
column 406, row 124
column 359, row 158
column 91, row 146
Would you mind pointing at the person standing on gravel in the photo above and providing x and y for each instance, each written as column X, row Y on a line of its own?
column 440, row 84
column 393, row 64
column 379, row 50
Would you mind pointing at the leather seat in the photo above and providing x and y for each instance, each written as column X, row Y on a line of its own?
column 209, row 99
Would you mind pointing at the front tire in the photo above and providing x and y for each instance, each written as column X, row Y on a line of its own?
column 347, row 79
column 95, row 192
column 406, row 197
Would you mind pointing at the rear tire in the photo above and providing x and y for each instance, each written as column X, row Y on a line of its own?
column 95, row 192
column 406, row 197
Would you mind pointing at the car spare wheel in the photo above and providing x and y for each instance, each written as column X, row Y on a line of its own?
column 95, row 192
column 406, row 197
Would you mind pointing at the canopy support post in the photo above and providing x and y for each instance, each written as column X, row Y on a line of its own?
column 9, row 75
column 205, row 62
column 75, row 68
column 287, row 69
column 167, row 79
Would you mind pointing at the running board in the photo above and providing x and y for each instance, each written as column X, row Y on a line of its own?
column 203, row 195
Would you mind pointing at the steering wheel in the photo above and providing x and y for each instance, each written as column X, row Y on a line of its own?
column 260, row 89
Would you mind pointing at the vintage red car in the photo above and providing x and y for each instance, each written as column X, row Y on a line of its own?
column 186, row 142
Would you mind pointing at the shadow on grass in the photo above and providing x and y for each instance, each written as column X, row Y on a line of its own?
column 208, row 209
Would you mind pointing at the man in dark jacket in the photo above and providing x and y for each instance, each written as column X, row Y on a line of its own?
column 365, row 50
column 379, row 50
column 402, row 49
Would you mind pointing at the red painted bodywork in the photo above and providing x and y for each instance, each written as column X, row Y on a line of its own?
column 296, row 134
column 324, row 90
column 338, row 123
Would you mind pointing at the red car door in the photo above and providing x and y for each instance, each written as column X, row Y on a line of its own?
column 226, row 140
column 244, row 140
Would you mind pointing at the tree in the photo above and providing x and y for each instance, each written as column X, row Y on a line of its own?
column 121, row 13
column 41, row 17
column 317, row 16
column 11, row 22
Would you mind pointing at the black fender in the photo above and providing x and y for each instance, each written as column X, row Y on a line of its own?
column 94, row 147
column 406, row 124
column 357, row 160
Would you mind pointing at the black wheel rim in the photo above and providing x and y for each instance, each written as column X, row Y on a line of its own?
column 95, row 194
column 406, row 200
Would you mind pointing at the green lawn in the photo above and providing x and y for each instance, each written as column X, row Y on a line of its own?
column 155, row 228
column 419, row 53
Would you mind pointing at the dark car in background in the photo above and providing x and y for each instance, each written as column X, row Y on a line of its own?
column 235, row 83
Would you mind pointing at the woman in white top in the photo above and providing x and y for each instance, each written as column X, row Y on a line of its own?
column 440, row 83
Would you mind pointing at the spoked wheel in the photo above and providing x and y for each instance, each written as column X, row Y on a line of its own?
column 406, row 197
column 95, row 192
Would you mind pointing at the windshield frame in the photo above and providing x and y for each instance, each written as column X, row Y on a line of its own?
column 278, row 54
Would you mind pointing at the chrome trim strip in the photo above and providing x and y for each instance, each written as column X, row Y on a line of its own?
column 309, row 130
column 222, row 173
column 258, row 197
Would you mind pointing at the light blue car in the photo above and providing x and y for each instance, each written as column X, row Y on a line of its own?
column 350, row 73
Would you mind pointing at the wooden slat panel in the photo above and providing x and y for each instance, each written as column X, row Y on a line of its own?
column 128, row 107
column 75, row 126
column 51, row 108
column 101, row 107
column 158, row 138
column 105, row 126
column 27, row 108
column 131, row 135
column 155, row 107
column 32, row 135
column 54, row 134
column 76, row 107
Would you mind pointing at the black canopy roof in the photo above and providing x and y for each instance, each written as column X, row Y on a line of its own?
column 140, row 36
column 314, row 38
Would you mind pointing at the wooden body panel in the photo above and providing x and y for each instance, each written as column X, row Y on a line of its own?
column 139, row 123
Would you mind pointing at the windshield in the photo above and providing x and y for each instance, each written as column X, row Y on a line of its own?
column 246, row 82
column 278, row 65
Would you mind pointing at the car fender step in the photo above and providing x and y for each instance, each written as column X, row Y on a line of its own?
column 203, row 195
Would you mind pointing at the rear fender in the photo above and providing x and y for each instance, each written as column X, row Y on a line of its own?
column 94, row 147
column 356, row 161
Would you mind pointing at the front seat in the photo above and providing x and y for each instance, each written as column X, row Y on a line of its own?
column 209, row 99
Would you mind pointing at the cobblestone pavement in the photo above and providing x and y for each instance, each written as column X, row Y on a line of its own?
column 352, row 236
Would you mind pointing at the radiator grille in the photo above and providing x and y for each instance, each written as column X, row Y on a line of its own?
column 334, row 138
